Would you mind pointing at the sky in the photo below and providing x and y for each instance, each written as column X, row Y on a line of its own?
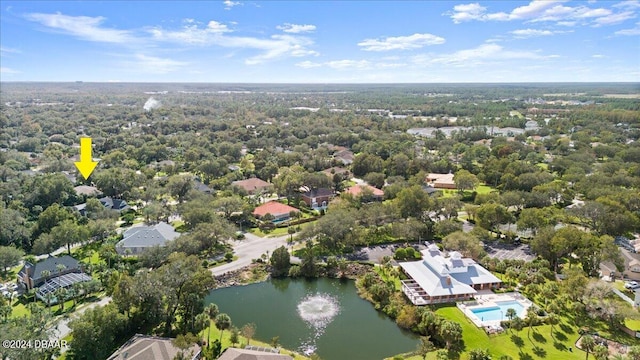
column 320, row 42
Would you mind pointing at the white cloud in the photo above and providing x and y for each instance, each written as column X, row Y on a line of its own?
column 630, row 32
column 6, row 50
column 154, row 65
column 546, row 10
column 409, row 42
column 228, row 4
column 8, row 71
column 337, row 64
column 629, row 4
column 598, row 56
column 614, row 18
column 296, row 28
column 489, row 52
column 215, row 34
column 84, row 27
column 527, row 33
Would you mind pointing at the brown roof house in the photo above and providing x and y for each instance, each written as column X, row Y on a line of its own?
column 363, row 189
column 344, row 156
column 441, row 181
column 279, row 211
column 317, row 198
column 250, row 354
column 145, row 347
column 252, row 186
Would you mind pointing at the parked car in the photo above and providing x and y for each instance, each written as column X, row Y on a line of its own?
column 631, row 285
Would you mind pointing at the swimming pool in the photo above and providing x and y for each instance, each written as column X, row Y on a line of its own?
column 499, row 312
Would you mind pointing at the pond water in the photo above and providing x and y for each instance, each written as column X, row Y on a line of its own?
column 325, row 316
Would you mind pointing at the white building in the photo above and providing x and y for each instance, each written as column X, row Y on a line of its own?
column 442, row 279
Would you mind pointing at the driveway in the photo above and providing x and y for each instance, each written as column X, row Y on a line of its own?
column 62, row 328
column 249, row 248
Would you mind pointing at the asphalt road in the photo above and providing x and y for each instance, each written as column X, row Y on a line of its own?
column 249, row 248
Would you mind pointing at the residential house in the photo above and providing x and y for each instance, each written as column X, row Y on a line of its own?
column 441, row 181
column 317, row 198
column 442, row 279
column 202, row 187
column 344, row 156
column 146, row 347
column 51, row 274
column 253, row 186
column 279, row 211
column 84, row 190
column 31, row 276
column 251, row 354
column 362, row 189
column 108, row 202
column 139, row 238
column 337, row 170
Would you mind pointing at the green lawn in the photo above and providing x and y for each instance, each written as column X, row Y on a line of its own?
column 215, row 334
column 539, row 344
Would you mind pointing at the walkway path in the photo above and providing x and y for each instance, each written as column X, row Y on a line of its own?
column 623, row 296
column 62, row 328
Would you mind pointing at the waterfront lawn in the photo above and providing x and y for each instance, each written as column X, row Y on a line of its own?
column 226, row 342
column 517, row 344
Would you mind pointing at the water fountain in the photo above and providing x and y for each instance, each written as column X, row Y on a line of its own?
column 317, row 311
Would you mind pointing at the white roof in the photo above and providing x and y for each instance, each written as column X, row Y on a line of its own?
column 453, row 275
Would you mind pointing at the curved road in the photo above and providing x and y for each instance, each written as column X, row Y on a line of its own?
column 249, row 248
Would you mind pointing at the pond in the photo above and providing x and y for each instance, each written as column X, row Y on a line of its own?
column 325, row 316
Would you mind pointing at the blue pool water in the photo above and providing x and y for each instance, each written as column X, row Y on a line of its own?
column 499, row 312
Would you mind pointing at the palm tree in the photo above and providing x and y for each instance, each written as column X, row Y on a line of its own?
column 511, row 313
column 49, row 297
column 530, row 318
column 587, row 343
column 552, row 319
column 601, row 352
column 222, row 322
column 450, row 332
column 425, row 346
column 212, row 311
column 201, row 322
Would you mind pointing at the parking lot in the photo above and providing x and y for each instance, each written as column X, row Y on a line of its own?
column 502, row 252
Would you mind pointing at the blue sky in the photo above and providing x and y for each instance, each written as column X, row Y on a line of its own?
column 320, row 42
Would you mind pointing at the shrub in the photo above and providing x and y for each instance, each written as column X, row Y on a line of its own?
column 228, row 256
column 400, row 254
column 294, row 271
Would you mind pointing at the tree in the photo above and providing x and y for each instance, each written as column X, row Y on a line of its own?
column 530, row 318
column 424, row 347
column 600, row 352
column 179, row 186
column 289, row 181
column 9, row 256
column 466, row 243
column 587, row 343
column 68, row 232
column 412, row 202
column 212, row 312
column 479, row 354
column 201, row 322
column 553, row 320
column 222, row 322
column 308, row 264
column 491, row 215
column 511, row 313
column 248, row 331
column 451, row 333
column 280, row 261
column 235, row 336
column 96, row 332
column 228, row 205
column 465, row 180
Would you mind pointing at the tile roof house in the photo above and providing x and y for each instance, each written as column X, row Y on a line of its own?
column 31, row 274
column 344, row 156
column 336, row 170
column 357, row 190
column 442, row 279
column 441, row 181
column 146, row 347
column 253, row 185
column 87, row 190
column 279, row 211
column 249, row 354
column 139, row 238
column 317, row 198
column 108, row 202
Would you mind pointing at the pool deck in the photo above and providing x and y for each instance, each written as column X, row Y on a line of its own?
column 490, row 300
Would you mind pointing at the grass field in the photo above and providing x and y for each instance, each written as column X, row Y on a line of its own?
column 536, row 344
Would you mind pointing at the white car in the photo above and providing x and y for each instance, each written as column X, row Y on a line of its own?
column 631, row 285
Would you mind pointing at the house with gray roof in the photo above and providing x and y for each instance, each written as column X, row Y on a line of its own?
column 139, row 238
column 252, row 354
column 34, row 275
column 146, row 347
column 441, row 279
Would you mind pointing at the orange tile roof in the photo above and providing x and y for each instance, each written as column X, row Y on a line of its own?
column 274, row 208
column 252, row 184
column 357, row 190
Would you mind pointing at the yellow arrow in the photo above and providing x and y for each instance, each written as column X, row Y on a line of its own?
column 86, row 163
